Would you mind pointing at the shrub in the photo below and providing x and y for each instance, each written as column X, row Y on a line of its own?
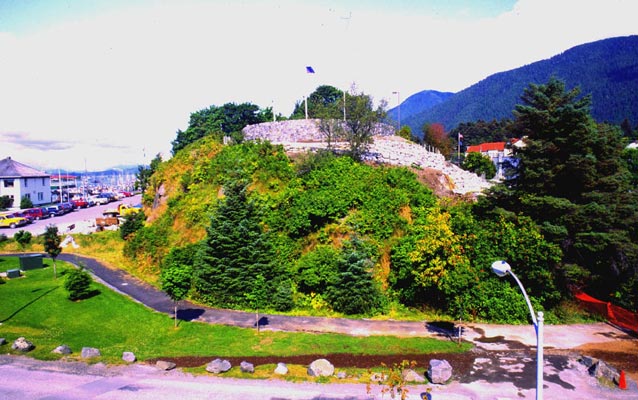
column 132, row 224
column 23, row 238
column 78, row 284
column 25, row 203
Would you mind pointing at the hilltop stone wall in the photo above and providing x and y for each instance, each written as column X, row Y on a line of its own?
column 297, row 130
column 304, row 135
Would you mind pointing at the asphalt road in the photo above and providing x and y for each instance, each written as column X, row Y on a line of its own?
column 82, row 219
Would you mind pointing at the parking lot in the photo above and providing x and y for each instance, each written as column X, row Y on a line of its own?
column 80, row 220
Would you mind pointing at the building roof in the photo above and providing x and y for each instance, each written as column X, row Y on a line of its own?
column 483, row 147
column 13, row 169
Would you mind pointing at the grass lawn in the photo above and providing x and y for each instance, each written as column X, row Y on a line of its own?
column 36, row 306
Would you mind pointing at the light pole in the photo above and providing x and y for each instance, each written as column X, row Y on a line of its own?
column 398, row 109
column 502, row 268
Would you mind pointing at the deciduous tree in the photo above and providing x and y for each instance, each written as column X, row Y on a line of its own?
column 52, row 245
column 362, row 120
column 479, row 164
column 176, row 279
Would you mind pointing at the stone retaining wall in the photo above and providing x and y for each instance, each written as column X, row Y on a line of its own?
column 302, row 135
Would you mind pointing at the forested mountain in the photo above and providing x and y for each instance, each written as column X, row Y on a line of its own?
column 417, row 103
column 606, row 69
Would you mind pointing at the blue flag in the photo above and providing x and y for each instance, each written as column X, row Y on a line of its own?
column 310, row 70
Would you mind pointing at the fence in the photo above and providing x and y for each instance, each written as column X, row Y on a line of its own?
column 614, row 314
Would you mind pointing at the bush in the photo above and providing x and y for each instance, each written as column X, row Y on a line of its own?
column 23, row 238
column 78, row 284
column 25, row 203
column 132, row 224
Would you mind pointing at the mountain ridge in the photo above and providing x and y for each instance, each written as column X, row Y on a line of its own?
column 607, row 69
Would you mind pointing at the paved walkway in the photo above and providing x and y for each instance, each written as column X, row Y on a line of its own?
column 556, row 336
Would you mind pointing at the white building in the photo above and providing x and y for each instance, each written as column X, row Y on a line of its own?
column 18, row 180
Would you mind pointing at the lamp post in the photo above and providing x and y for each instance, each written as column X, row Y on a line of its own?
column 502, row 268
column 398, row 109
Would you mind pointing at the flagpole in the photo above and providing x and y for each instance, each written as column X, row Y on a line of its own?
column 309, row 70
column 458, row 150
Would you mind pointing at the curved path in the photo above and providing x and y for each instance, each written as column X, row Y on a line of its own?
column 157, row 300
column 483, row 335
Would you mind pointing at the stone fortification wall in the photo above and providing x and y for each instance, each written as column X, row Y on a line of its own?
column 297, row 130
column 303, row 135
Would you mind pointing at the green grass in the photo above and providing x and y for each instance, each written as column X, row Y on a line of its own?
column 36, row 306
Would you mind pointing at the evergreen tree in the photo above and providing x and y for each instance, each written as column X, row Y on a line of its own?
column 573, row 181
column 78, row 284
column 235, row 253
column 354, row 290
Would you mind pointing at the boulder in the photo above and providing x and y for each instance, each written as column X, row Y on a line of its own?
column 440, row 371
column 22, row 344
column 62, row 349
column 129, row 357
column 588, row 361
column 3, row 341
column 218, row 366
column 281, row 369
column 603, row 370
column 321, row 367
column 165, row 365
column 245, row 366
column 90, row 352
column 410, row 375
column 342, row 375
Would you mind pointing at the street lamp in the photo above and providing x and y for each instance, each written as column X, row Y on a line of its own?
column 502, row 268
column 399, row 109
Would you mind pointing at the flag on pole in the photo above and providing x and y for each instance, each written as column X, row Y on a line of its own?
column 309, row 69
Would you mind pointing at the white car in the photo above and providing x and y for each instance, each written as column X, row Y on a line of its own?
column 99, row 200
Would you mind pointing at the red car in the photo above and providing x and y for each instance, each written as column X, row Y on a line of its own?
column 37, row 213
column 80, row 203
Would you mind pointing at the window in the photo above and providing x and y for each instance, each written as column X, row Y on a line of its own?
column 8, row 183
column 43, row 182
column 26, row 182
column 40, row 196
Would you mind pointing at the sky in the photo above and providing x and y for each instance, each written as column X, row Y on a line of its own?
column 88, row 85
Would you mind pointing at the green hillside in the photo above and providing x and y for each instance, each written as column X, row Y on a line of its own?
column 606, row 69
column 322, row 234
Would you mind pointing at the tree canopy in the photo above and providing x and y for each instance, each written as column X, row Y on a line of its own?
column 228, row 119
column 573, row 181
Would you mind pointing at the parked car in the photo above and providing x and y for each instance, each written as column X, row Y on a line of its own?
column 107, row 195
column 37, row 213
column 9, row 221
column 80, row 203
column 22, row 214
column 54, row 211
column 67, row 207
column 99, row 199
